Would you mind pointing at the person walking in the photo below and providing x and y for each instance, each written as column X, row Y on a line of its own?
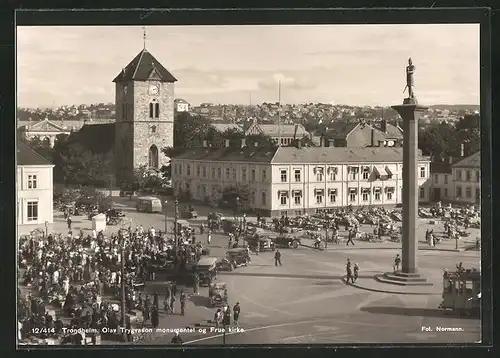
column 397, row 262
column 196, row 284
column 236, row 313
column 154, row 317
column 209, row 237
column 182, row 299
column 277, row 258
column 172, row 302
column 177, row 339
column 356, row 272
column 349, row 276
column 349, row 238
column 218, row 318
column 69, row 221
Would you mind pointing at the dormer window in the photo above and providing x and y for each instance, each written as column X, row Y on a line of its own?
column 154, row 109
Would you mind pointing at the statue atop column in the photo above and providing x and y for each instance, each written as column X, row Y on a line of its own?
column 410, row 69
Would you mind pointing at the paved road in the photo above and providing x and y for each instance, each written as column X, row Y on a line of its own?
column 304, row 301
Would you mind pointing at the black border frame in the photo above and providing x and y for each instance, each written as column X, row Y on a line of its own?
column 251, row 16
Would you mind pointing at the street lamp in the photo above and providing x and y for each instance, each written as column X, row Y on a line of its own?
column 237, row 205
column 122, row 275
column 176, row 207
column 166, row 202
column 327, row 223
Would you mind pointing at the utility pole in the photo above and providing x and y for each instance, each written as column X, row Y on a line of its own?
column 166, row 213
column 279, row 113
column 122, row 273
column 176, row 206
column 327, row 223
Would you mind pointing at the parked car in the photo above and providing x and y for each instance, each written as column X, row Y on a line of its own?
column 285, row 241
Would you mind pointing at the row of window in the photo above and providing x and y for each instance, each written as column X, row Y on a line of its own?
column 216, row 174
column 319, row 194
column 231, row 173
column 468, row 175
column 468, row 192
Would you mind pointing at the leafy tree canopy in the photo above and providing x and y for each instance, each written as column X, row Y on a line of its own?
column 236, row 198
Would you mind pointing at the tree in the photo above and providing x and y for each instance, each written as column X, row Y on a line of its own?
column 437, row 139
column 142, row 178
column 77, row 165
column 40, row 146
column 103, row 201
column 189, row 130
column 236, row 198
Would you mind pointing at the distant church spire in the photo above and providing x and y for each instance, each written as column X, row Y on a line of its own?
column 144, row 36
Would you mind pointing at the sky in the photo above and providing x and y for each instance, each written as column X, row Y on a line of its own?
column 339, row 64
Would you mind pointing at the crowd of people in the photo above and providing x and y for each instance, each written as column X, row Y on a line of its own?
column 80, row 276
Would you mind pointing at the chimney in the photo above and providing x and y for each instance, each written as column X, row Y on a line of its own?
column 255, row 144
column 226, row 143
column 462, row 149
column 205, row 144
column 243, row 142
column 383, row 125
column 373, row 137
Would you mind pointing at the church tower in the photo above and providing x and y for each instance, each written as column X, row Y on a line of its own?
column 144, row 114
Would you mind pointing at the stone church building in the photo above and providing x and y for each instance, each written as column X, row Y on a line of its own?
column 144, row 124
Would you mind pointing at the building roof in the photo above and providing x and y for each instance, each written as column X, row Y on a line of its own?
column 44, row 126
column 231, row 154
column 284, row 130
column 340, row 130
column 98, row 138
column 444, row 166
column 180, row 100
column 222, row 127
column 142, row 67
column 391, row 131
column 339, row 155
column 473, row 161
column 285, row 155
column 28, row 156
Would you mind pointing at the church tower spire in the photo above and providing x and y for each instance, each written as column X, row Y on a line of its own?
column 144, row 36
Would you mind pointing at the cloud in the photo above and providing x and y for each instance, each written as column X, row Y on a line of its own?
column 289, row 81
column 195, row 78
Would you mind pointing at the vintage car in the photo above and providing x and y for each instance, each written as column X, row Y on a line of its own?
column 234, row 258
column 285, row 241
column 229, row 225
column 462, row 291
column 217, row 294
column 183, row 225
column 206, row 268
column 189, row 214
column 264, row 243
column 92, row 213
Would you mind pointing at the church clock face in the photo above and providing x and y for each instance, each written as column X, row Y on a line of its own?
column 153, row 90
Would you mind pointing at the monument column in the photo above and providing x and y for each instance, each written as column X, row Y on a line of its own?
column 410, row 113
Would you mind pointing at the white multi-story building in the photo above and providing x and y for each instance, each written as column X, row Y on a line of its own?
column 34, row 190
column 181, row 105
column 456, row 180
column 293, row 181
column 467, row 180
